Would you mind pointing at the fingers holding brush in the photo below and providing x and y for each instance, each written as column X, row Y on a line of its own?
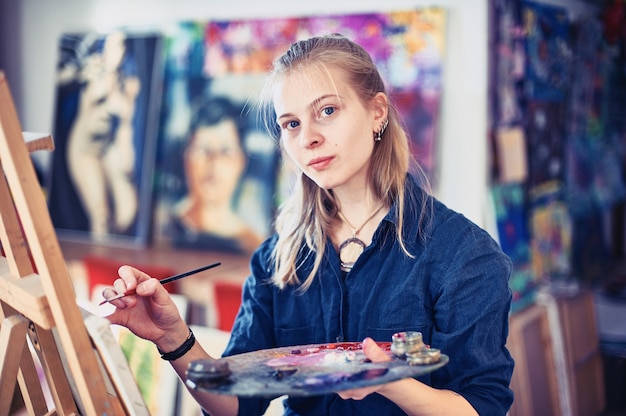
column 141, row 303
column 131, row 278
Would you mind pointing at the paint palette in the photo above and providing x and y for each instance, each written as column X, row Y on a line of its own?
column 306, row 370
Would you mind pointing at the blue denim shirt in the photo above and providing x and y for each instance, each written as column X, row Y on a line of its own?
column 454, row 291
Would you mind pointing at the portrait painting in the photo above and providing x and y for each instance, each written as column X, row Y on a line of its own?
column 216, row 167
column 100, row 183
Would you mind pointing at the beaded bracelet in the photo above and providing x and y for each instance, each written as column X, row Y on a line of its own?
column 180, row 351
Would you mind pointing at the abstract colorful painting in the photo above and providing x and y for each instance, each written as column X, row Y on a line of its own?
column 513, row 233
column 514, row 237
column 594, row 157
column 548, row 51
column 551, row 235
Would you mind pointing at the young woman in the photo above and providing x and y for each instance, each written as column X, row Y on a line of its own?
column 360, row 252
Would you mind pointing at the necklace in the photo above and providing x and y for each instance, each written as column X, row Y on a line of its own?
column 351, row 249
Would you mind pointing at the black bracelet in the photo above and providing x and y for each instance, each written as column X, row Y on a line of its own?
column 180, row 351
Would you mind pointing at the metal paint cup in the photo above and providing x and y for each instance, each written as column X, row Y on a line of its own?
column 406, row 342
column 424, row 356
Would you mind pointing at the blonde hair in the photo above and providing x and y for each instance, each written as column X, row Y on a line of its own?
column 304, row 218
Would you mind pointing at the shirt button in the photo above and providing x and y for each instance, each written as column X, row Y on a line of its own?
column 339, row 338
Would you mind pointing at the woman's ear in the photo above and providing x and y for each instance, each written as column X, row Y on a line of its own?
column 381, row 110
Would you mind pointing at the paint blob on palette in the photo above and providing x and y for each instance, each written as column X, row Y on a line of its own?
column 306, row 370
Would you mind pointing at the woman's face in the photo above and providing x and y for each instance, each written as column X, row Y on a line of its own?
column 214, row 162
column 325, row 128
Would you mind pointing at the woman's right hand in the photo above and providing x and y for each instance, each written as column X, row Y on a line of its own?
column 150, row 313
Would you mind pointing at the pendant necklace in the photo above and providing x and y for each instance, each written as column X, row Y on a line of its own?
column 351, row 249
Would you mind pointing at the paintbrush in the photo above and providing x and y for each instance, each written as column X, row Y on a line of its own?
column 165, row 281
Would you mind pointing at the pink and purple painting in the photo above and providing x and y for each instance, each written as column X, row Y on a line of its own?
column 407, row 46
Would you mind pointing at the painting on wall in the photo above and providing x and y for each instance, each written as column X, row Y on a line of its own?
column 100, row 184
column 216, row 168
column 219, row 64
column 548, row 51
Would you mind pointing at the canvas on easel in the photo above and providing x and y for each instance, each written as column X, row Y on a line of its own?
column 37, row 299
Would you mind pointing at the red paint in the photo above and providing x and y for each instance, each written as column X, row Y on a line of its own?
column 353, row 346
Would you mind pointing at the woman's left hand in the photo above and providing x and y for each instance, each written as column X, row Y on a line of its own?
column 377, row 355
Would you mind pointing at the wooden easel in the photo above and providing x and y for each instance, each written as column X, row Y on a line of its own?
column 37, row 297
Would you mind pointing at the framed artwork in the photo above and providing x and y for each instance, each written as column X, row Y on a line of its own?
column 548, row 51
column 216, row 167
column 550, row 227
column 222, row 64
column 513, row 234
column 100, row 183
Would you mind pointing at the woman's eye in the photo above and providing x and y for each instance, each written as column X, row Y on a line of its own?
column 327, row 111
column 291, row 125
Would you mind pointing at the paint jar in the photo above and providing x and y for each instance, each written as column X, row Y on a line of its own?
column 406, row 342
column 423, row 357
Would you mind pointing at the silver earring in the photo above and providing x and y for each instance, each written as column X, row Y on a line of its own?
column 378, row 135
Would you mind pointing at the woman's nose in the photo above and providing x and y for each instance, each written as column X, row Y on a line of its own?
column 309, row 136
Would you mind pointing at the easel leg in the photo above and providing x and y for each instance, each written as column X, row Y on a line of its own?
column 30, row 385
column 13, row 341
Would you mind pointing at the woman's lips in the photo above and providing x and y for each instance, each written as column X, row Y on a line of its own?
column 320, row 163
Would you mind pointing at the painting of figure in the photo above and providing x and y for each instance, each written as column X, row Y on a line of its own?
column 100, row 181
